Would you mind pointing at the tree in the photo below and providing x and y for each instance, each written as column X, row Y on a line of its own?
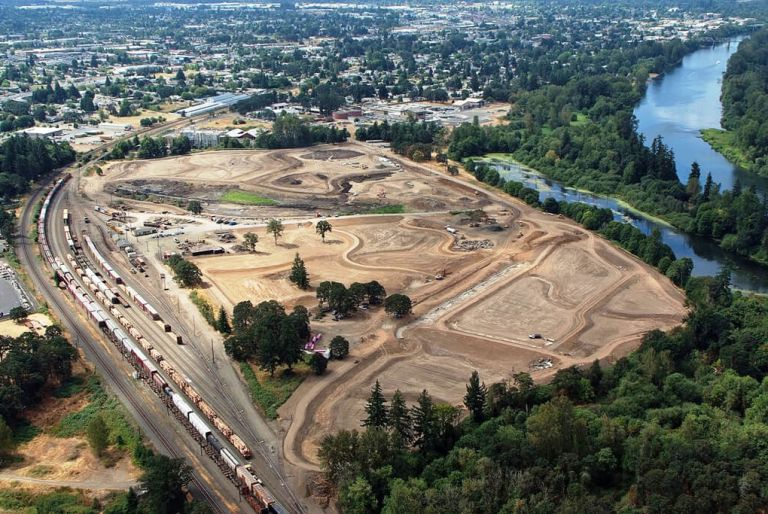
column 18, row 314
column 275, row 227
column 376, row 408
column 424, row 422
column 299, row 275
column 400, row 421
column 125, row 109
column 376, row 292
column 181, row 145
column 358, row 498
column 475, row 397
column 398, row 305
column 318, row 363
column 98, row 435
column 322, row 227
column 339, row 348
column 195, row 207
column 249, row 241
column 186, row 273
column 6, row 437
column 222, row 323
column 86, row 102
column 164, row 480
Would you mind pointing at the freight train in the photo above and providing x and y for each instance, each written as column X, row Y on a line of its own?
column 146, row 359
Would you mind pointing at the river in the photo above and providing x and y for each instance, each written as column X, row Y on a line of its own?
column 677, row 106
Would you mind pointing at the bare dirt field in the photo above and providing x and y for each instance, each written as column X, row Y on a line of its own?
column 331, row 179
column 516, row 274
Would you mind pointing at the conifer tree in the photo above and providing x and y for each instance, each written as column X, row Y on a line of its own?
column 400, row 420
column 222, row 324
column 475, row 397
column 299, row 275
column 376, row 408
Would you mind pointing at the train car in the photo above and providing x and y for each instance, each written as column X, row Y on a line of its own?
column 193, row 394
column 206, row 409
column 263, row 495
column 201, row 426
column 145, row 344
column 152, row 312
column 159, row 381
column 211, row 439
column 157, row 356
column 246, row 478
column 181, row 405
column 65, row 216
column 229, row 459
column 222, row 427
column 166, row 366
column 240, row 446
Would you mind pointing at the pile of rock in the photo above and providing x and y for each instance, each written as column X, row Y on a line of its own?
column 470, row 245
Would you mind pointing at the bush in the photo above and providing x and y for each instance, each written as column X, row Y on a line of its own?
column 339, row 348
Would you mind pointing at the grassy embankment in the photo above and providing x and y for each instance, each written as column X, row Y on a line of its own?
column 269, row 393
column 724, row 142
column 245, row 198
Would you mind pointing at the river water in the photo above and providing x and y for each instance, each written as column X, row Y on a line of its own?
column 677, row 106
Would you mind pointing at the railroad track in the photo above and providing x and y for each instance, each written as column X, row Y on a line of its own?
column 69, row 319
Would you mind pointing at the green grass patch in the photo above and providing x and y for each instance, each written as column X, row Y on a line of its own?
column 269, row 393
column 581, row 119
column 40, row 470
column 724, row 142
column 246, row 198
column 71, row 387
column 122, row 433
column 61, row 501
column 205, row 308
column 396, row 208
column 24, row 431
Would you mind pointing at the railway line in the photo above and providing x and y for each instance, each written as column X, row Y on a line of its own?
column 84, row 282
column 207, row 481
column 108, row 366
column 215, row 380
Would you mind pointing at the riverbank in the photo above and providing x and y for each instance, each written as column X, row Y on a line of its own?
column 509, row 159
column 723, row 142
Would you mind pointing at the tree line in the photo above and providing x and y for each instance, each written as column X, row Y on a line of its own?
column 648, row 248
column 415, row 140
column 745, row 99
column 676, row 426
column 23, row 159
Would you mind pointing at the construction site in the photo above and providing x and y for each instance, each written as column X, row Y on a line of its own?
column 497, row 286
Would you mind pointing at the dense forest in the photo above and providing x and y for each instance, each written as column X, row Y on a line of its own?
column 23, row 159
column 745, row 100
column 677, row 426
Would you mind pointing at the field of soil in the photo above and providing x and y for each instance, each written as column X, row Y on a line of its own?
column 522, row 290
column 331, row 179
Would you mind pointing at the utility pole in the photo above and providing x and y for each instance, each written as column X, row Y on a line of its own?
column 213, row 356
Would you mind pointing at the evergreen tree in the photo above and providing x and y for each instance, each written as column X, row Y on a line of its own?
column 424, row 422
column 376, row 408
column 400, row 420
column 299, row 275
column 692, row 188
column 707, row 188
column 475, row 397
column 222, row 324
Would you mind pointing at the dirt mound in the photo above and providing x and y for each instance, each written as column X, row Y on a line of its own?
column 330, row 155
